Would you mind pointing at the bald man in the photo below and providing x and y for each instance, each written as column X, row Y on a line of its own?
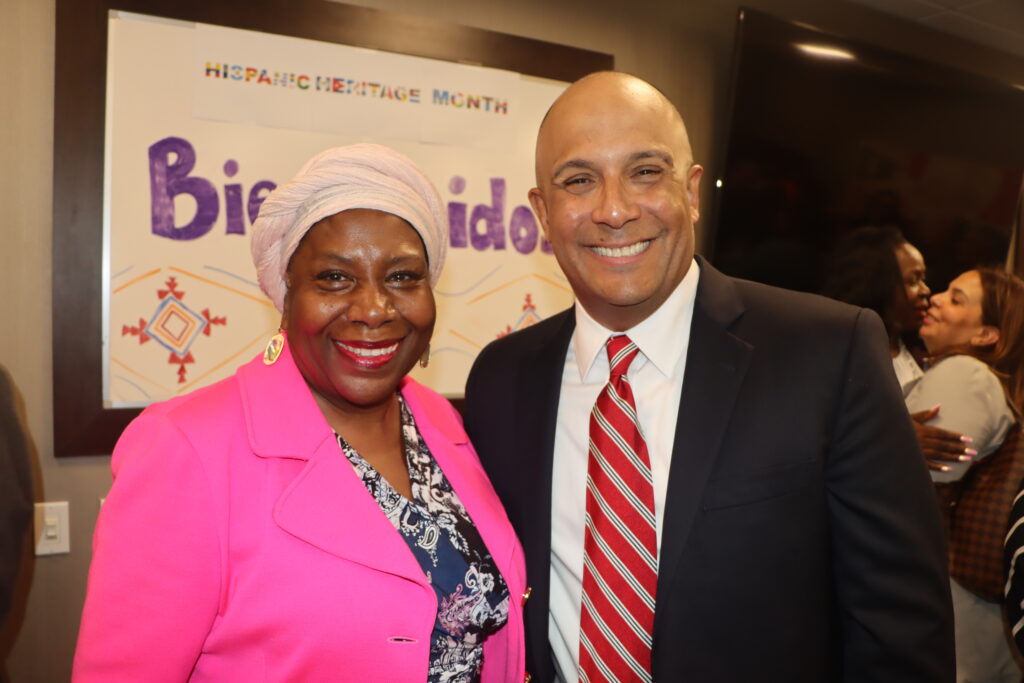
column 796, row 536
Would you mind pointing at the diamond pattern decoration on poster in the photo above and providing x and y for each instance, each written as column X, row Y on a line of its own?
column 175, row 326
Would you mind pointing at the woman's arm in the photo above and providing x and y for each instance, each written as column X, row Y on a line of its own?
column 972, row 403
column 155, row 579
column 939, row 444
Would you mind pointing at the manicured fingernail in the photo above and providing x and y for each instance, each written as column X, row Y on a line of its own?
column 964, row 458
column 966, row 439
column 970, row 451
column 945, row 468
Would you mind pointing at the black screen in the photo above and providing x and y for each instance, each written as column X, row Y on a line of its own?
column 819, row 145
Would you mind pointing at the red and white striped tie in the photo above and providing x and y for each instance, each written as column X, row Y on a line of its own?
column 620, row 556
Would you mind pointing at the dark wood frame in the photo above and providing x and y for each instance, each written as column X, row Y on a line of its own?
column 81, row 425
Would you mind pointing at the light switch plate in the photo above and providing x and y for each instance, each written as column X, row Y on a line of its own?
column 52, row 529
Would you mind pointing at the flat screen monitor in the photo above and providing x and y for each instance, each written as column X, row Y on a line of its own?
column 829, row 133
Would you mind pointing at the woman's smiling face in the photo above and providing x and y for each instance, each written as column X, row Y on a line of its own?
column 954, row 318
column 359, row 311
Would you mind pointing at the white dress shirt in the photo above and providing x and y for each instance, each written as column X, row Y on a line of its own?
column 656, row 377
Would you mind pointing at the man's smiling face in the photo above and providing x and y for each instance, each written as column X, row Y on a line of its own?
column 617, row 196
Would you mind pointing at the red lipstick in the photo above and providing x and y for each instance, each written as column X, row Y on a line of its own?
column 369, row 355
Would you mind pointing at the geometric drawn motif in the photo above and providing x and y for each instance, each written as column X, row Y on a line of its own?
column 526, row 318
column 174, row 326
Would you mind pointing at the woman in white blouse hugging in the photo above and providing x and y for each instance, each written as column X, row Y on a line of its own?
column 974, row 334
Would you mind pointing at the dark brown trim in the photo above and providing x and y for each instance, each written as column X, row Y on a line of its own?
column 82, row 426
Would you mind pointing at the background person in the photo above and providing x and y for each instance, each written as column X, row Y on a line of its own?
column 319, row 515
column 1014, row 568
column 15, row 492
column 974, row 333
column 877, row 268
column 768, row 515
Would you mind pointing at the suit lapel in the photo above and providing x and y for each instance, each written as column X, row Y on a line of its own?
column 536, row 402
column 715, row 366
column 326, row 504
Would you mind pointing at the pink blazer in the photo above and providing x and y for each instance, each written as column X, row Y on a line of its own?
column 238, row 544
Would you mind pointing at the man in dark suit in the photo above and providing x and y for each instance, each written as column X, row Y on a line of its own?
column 798, row 535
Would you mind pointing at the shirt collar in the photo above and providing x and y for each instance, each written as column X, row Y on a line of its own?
column 661, row 337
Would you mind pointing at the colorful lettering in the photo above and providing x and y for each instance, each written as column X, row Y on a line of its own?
column 257, row 194
column 493, row 236
column 167, row 181
column 458, row 236
column 522, row 230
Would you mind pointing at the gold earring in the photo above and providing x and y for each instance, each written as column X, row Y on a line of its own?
column 274, row 348
column 425, row 358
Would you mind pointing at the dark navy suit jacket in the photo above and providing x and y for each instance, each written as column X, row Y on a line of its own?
column 801, row 539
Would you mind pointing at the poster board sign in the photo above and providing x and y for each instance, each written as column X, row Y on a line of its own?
column 197, row 138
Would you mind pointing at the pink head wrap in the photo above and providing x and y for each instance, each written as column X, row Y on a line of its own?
column 362, row 176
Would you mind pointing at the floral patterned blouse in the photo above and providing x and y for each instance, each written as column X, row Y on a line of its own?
column 472, row 596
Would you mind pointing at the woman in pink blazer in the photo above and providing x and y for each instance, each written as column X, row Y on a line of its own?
column 318, row 516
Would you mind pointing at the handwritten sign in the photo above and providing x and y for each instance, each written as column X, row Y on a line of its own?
column 204, row 121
